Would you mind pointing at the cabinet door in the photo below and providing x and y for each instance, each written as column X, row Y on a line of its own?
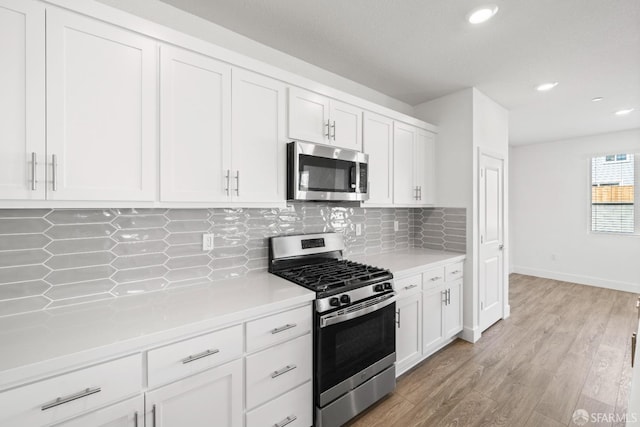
column 195, row 131
column 22, row 114
column 378, row 144
column 346, row 125
column 308, row 116
column 259, row 141
column 101, row 110
column 424, row 165
column 453, row 310
column 212, row 398
column 408, row 332
column 129, row 413
column 432, row 319
column 404, row 188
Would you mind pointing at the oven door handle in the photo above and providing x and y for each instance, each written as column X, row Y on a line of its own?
column 332, row 320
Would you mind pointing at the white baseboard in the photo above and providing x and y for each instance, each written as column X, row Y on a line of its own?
column 582, row 280
column 507, row 311
column 471, row 334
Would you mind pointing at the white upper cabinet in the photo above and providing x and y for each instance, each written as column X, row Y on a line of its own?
column 413, row 166
column 378, row 144
column 101, row 110
column 258, row 150
column 195, row 127
column 22, row 99
column 316, row 118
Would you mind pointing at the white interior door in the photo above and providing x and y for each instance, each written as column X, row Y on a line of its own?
column 195, row 127
column 22, row 95
column 259, row 142
column 378, row 144
column 101, row 110
column 491, row 227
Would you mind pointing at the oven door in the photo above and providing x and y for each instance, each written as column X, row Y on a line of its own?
column 319, row 172
column 353, row 346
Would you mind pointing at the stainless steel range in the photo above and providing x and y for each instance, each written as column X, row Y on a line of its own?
column 354, row 323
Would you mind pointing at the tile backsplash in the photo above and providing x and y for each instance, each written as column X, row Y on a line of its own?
column 55, row 257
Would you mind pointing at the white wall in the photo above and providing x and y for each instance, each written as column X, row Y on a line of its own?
column 174, row 18
column 550, row 214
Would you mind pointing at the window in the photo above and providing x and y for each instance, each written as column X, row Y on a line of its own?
column 613, row 193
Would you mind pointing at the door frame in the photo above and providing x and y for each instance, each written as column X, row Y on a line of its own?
column 503, row 156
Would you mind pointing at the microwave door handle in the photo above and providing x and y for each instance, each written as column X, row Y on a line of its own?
column 353, row 177
column 332, row 319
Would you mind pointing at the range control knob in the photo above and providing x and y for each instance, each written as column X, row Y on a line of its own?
column 345, row 299
column 388, row 286
column 378, row 288
column 334, row 302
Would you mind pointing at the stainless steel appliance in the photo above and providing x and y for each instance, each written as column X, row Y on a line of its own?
column 354, row 323
column 322, row 172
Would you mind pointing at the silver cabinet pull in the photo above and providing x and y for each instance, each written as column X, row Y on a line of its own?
column 398, row 321
column 34, row 165
column 283, row 328
column 633, row 348
column 66, row 399
column 410, row 287
column 433, row 279
column 199, row 356
column 333, row 126
column 501, row 247
column 54, row 172
column 286, row 421
column 153, row 415
column 284, row 370
column 456, row 272
column 238, row 183
column 227, row 178
column 135, row 419
column 420, row 192
column 444, row 294
column 448, row 296
column 327, row 134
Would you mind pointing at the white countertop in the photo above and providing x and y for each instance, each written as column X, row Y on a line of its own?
column 407, row 262
column 33, row 344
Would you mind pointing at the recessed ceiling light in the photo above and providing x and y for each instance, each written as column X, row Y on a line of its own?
column 624, row 112
column 597, row 99
column 482, row 14
column 546, row 86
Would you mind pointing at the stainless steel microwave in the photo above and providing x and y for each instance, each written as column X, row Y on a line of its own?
column 323, row 172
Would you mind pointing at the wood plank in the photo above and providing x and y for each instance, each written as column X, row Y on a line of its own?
column 469, row 412
column 603, row 381
column 538, row 420
column 600, row 414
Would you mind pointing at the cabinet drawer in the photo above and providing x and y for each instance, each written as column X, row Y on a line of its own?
column 292, row 409
column 278, row 369
column 408, row 285
column 433, row 278
column 453, row 271
column 70, row 394
column 184, row 358
column 278, row 328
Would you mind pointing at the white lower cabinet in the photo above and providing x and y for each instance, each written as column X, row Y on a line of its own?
column 408, row 332
column 428, row 313
column 129, row 413
column 211, row 398
column 292, row 409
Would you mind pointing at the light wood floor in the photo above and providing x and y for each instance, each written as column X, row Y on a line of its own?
column 565, row 347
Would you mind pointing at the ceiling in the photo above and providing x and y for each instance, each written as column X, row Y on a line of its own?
column 418, row 50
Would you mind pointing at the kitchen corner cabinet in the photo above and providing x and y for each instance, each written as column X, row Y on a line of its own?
column 195, row 127
column 101, row 110
column 22, row 104
column 316, row 118
column 378, row 144
column 413, row 166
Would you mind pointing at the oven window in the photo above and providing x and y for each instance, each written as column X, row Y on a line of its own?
column 322, row 174
column 344, row 349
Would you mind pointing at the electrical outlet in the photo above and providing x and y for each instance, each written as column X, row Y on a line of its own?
column 207, row 241
column 396, row 226
column 358, row 229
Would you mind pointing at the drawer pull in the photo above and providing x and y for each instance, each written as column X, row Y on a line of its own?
column 286, row 421
column 283, row 371
column 410, row 287
column 135, row 419
column 62, row 400
column 200, row 356
column 633, row 348
column 283, row 328
column 433, row 279
column 456, row 272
